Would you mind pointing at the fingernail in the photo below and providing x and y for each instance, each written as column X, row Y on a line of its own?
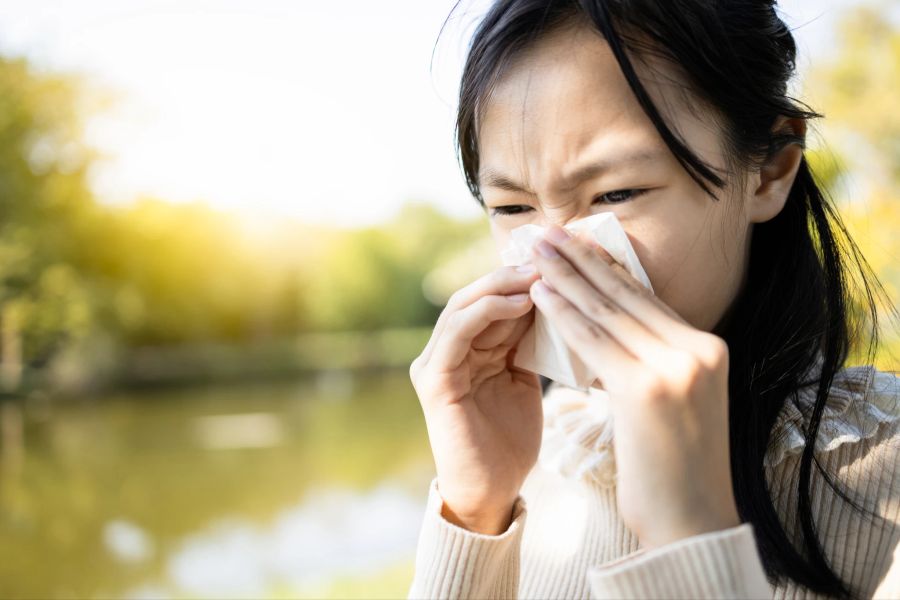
column 540, row 288
column 546, row 249
column 557, row 234
column 529, row 268
column 518, row 297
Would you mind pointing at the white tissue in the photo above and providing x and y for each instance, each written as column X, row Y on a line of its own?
column 542, row 349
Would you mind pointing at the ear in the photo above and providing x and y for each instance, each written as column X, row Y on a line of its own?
column 776, row 177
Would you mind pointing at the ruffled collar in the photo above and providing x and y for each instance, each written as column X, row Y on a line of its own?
column 578, row 434
column 578, row 426
column 860, row 399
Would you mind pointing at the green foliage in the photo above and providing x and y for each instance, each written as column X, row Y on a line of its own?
column 43, row 196
column 372, row 278
column 154, row 273
column 858, row 93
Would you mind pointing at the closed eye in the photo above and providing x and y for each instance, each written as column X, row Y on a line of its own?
column 510, row 209
column 614, row 197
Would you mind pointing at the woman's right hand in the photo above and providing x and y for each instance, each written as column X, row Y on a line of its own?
column 483, row 415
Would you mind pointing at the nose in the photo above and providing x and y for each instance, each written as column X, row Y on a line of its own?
column 564, row 216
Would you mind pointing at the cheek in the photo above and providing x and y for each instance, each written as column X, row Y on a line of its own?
column 692, row 275
column 500, row 236
column 690, row 250
column 680, row 286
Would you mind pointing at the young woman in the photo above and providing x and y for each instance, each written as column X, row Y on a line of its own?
column 724, row 450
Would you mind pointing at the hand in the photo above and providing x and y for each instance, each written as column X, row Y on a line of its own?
column 668, row 387
column 484, row 416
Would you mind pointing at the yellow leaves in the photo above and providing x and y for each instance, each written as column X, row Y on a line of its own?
column 858, row 92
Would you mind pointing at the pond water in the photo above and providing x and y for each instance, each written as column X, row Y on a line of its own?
column 311, row 488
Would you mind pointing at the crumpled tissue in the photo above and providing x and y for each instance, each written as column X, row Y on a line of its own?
column 542, row 349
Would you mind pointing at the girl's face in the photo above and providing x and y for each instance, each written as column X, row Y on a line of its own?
column 563, row 137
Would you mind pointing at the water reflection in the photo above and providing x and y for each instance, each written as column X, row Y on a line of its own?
column 127, row 541
column 283, row 489
column 248, row 430
column 334, row 533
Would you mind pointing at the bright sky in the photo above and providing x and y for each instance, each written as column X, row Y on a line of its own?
column 325, row 111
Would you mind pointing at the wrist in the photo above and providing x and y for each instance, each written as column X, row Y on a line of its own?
column 690, row 529
column 488, row 522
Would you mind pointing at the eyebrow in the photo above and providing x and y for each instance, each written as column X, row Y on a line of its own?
column 495, row 179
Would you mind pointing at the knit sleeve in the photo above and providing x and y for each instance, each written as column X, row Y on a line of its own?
column 890, row 585
column 454, row 562
column 718, row 564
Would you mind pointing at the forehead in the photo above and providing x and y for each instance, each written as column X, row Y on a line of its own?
column 566, row 94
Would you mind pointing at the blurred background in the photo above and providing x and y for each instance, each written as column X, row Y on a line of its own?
column 227, row 228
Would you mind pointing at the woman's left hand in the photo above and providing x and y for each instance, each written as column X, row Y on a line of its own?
column 668, row 385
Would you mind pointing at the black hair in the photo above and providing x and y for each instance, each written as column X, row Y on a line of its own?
column 797, row 308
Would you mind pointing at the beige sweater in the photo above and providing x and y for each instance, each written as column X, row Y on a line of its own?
column 567, row 540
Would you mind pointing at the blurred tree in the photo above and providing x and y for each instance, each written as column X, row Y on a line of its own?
column 372, row 278
column 173, row 273
column 43, row 198
column 857, row 91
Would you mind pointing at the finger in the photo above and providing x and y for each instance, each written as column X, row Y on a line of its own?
column 623, row 289
column 522, row 325
column 623, row 272
column 591, row 242
column 499, row 333
column 494, row 335
column 596, row 306
column 503, row 281
column 506, row 349
column 518, row 373
column 461, row 328
column 610, row 362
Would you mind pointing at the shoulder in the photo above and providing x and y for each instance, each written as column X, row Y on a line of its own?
column 862, row 412
column 857, row 446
